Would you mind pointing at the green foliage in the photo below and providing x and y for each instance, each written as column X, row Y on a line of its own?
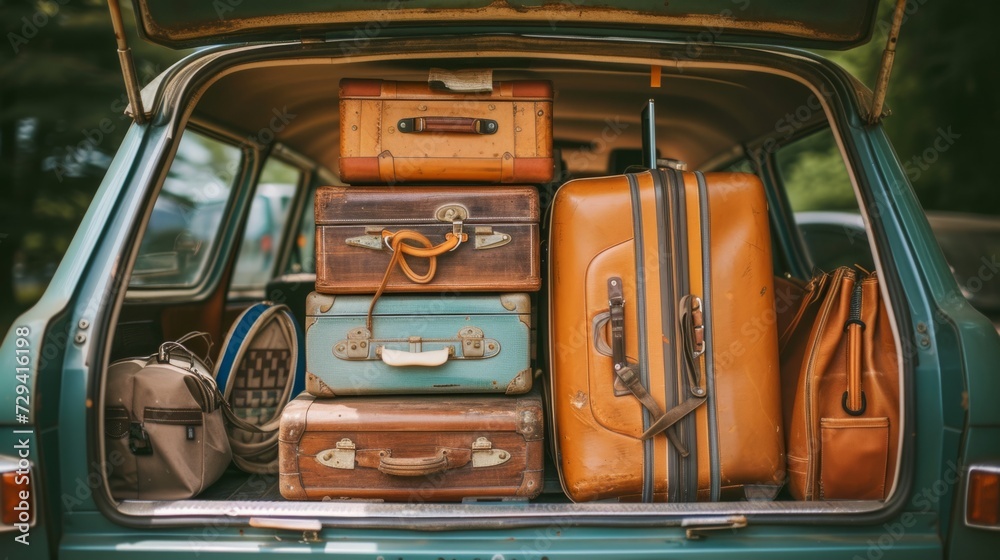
column 944, row 77
column 61, row 121
column 814, row 174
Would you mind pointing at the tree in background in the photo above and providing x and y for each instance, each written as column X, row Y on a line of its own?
column 61, row 121
column 944, row 102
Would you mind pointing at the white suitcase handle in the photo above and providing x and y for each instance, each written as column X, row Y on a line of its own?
column 402, row 358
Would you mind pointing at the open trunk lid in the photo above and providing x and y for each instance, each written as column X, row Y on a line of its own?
column 801, row 23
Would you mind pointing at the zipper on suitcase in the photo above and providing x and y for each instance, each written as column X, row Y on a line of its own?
column 715, row 464
column 640, row 290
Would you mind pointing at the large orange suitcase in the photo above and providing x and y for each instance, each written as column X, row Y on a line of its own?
column 392, row 132
column 663, row 347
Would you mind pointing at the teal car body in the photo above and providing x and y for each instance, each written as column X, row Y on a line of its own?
column 54, row 353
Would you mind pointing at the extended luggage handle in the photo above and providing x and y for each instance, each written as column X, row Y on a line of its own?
column 461, row 125
column 347, row 456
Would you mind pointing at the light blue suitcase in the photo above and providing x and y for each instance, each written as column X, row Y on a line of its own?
column 421, row 344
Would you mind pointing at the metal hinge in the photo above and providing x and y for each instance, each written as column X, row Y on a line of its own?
column 696, row 526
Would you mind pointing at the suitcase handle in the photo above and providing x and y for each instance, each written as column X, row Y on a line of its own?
column 402, row 358
column 423, row 466
column 463, row 125
column 429, row 251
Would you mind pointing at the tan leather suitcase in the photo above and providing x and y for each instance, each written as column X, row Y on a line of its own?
column 411, row 449
column 392, row 132
column 454, row 239
column 662, row 314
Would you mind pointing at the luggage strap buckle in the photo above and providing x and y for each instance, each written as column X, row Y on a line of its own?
column 630, row 376
column 138, row 440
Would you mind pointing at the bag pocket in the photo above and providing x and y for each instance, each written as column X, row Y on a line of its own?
column 853, row 458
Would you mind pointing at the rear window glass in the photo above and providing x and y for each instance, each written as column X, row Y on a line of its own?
column 183, row 230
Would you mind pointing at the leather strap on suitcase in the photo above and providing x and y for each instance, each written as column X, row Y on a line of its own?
column 631, row 379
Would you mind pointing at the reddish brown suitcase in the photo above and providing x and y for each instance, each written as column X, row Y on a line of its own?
column 358, row 228
column 394, row 132
column 665, row 378
column 411, row 449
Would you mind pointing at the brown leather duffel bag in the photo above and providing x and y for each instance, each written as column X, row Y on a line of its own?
column 840, row 384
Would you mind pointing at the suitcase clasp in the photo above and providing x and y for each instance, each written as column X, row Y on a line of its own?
column 341, row 457
column 369, row 241
column 451, row 213
column 483, row 454
column 473, row 342
column 486, row 238
column 356, row 347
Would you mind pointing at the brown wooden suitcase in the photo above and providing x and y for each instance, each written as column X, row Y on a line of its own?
column 411, row 449
column 662, row 294
column 393, row 132
column 359, row 228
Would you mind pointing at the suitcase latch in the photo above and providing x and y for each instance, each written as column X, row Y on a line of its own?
column 483, row 454
column 340, row 457
column 451, row 213
column 473, row 342
column 371, row 240
column 486, row 238
column 356, row 347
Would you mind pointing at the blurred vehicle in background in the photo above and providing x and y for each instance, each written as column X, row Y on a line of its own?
column 970, row 243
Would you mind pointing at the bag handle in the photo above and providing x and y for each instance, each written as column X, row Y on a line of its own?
column 854, row 402
column 461, row 125
column 402, row 358
column 395, row 242
column 419, row 466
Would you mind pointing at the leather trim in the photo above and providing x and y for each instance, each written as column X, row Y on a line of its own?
column 706, row 303
column 535, row 170
column 358, row 169
column 360, row 87
column 531, row 88
column 640, row 291
column 175, row 416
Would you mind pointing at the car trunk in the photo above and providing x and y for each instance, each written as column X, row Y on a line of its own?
column 713, row 109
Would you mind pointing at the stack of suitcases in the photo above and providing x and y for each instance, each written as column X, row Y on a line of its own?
column 420, row 338
column 420, row 334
